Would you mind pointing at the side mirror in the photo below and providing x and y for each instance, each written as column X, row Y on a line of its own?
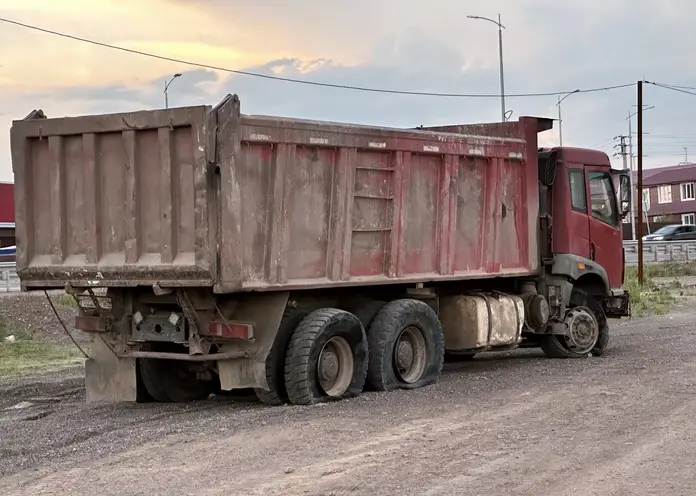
column 625, row 194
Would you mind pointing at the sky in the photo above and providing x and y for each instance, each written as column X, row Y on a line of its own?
column 549, row 46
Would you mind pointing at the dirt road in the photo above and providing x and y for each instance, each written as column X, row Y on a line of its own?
column 503, row 424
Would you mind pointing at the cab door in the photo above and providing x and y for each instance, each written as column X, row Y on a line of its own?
column 606, row 240
column 578, row 227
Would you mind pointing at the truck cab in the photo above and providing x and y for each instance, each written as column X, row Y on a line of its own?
column 587, row 201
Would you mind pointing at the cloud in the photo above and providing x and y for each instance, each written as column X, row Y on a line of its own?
column 402, row 44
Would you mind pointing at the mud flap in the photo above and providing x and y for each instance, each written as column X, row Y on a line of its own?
column 109, row 378
column 265, row 310
column 242, row 373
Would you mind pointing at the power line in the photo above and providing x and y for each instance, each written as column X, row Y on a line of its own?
column 673, row 88
column 604, row 143
column 301, row 81
column 678, row 86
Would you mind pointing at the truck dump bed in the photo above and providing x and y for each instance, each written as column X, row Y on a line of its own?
column 209, row 197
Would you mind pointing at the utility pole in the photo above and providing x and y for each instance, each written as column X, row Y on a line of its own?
column 634, row 187
column 686, row 155
column 622, row 150
column 641, row 279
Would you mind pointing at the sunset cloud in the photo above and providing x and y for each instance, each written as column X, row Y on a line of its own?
column 401, row 44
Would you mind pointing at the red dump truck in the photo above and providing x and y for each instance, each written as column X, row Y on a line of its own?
column 215, row 251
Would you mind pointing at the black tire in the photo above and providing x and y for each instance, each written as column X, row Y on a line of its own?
column 590, row 302
column 553, row 346
column 383, row 334
column 142, row 395
column 367, row 310
column 172, row 381
column 275, row 362
column 150, row 372
column 306, row 345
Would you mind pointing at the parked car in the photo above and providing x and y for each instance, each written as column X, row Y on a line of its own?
column 673, row 232
column 8, row 254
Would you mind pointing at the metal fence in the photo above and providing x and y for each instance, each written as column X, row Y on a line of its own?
column 9, row 281
column 653, row 251
column 661, row 251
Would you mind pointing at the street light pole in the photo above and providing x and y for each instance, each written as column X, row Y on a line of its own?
column 560, row 121
column 502, row 77
column 633, row 187
column 500, row 55
column 166, row 87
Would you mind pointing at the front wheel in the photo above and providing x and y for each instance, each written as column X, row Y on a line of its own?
column 588, row 331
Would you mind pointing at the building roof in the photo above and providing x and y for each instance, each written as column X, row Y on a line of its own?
column 669, row 175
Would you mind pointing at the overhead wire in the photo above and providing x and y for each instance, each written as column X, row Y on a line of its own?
column 303, row 81
column 671, row 87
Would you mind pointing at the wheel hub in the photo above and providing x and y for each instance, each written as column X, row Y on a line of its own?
column 404, row 355
column 410, row 355
column 328, row 366
column 335, row 367
column 583, row 330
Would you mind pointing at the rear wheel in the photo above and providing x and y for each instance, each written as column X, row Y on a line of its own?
column 406, row 346
column 174, row 381
column 326, row 358
column 276, row 394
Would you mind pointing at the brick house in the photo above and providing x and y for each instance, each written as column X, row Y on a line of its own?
column 669, row 195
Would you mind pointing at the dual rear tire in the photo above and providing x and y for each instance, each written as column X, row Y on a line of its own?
column 333, row 354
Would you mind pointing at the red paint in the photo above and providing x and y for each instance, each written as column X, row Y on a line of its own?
column 89, row 323
column 302, row 204
column 230, row 330
column 580, row 231
column 7, row 207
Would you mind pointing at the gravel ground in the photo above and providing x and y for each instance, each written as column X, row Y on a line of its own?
column 513, row 423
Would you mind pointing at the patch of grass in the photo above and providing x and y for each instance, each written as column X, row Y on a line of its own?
column 6, row 331
column 23, row 355
column 66, row 300
column 650, row 299
column 664, row 269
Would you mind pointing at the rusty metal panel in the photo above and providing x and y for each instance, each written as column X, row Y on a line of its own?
column 326, row 204
column 113, row 200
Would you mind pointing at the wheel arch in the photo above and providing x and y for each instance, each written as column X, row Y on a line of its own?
column 583, row 273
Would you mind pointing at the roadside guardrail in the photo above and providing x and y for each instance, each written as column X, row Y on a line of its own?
column 653, row 251
column 9, row 281
column 661, row 251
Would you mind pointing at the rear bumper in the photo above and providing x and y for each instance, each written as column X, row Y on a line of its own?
column 618, row 304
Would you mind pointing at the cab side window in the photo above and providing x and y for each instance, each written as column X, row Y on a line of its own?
column 578, row 196
column 602, row 198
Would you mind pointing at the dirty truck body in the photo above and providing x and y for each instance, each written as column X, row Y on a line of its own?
column 212, row 251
